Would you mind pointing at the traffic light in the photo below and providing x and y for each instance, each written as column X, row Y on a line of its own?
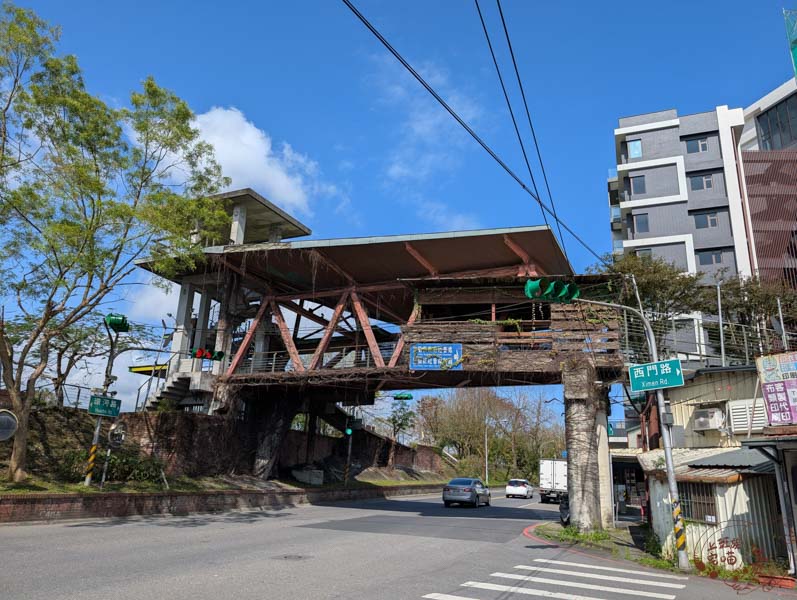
column 204, row 353
column 553, row 291
column 348, row 430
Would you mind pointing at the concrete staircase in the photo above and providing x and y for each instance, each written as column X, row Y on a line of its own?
column 176, row 387
column 181, row 385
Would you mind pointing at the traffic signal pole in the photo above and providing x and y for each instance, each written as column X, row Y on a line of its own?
column 678, row 522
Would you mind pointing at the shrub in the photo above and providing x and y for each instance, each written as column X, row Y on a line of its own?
column 124, row 465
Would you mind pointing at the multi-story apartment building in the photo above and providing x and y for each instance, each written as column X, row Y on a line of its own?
column 678, row 190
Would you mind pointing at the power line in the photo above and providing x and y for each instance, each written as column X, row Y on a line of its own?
column 467, row 128
column 531, row 126
column 509, row 106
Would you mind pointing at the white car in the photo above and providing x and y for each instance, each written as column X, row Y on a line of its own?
column 519, row 488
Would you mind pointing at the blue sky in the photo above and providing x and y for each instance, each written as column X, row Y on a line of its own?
column 304, row 105
column 371, row 153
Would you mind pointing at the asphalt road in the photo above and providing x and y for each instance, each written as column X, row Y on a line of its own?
column 408, row 548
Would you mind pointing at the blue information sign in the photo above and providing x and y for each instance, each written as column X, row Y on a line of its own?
column 436, row 357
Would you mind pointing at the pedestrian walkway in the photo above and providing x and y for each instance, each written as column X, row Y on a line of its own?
column 568, row 580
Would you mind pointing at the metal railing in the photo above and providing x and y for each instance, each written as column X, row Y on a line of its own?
column 700, row 341
column 336, row 357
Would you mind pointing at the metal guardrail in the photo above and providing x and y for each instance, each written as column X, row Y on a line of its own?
column 336, row 357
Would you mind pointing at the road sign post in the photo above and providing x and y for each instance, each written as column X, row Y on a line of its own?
column 656, row 375
column 102, row 406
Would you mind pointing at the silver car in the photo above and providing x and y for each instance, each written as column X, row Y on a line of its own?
column 466, row 491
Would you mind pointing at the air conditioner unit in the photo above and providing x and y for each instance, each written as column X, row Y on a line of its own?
column 709, row 418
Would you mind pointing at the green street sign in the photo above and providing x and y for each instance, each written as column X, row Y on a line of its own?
column 656, row 375
column 103, row 406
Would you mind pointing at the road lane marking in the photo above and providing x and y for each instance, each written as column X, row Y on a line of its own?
column 447, row 597
column 613, row 569
column 584, row 586
column 677, row 586
column 527, row 591
column 529, row 504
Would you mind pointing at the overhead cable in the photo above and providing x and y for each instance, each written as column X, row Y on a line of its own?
column 467, row 128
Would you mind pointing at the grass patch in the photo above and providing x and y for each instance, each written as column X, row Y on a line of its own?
column 573, row 535
column 656, row 562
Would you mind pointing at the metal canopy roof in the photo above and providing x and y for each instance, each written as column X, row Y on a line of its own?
column 389, row 258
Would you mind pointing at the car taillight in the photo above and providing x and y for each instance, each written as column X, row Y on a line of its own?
column 447, row 489
column 467, row 490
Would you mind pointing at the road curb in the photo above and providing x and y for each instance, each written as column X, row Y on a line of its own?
column 17, row 508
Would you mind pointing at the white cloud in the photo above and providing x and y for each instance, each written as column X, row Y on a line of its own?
column 249, row 156
column 429, row 143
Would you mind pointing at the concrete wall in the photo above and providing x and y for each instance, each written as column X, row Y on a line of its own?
column 661, row 115
column 50, row 507
column 710, row 390
column 659, row 143
column 659, row 181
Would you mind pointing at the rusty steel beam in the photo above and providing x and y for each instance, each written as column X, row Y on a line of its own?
column 286, row 336
column 416, row 311
column 318, row 355
column 362, row 316
column 420, row 259
column 517, row 250
column 372, row 287
column 247, row 341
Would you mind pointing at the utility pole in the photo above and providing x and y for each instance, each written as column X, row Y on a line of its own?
column 486, row 456
column 783, row 335
column 678, row 523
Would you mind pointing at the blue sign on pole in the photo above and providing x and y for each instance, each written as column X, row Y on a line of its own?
column 436, row 357
column 564, row 453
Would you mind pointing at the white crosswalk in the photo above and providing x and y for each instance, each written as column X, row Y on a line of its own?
column 570, row 579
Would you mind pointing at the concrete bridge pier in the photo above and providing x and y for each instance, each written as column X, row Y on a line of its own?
column 588, row 473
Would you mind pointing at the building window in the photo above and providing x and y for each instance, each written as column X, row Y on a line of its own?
column 701, row 182
column 638, row 184
column 635, row 149
column 697, row 145
column 644, row 253
column 698, row 501
column 777, row 127
column 710, row 257
column 641, row 224
column 706, row 220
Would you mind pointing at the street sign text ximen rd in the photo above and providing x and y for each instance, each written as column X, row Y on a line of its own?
column 656, row 375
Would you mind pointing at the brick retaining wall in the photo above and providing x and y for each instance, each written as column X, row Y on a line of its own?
column 51, row 507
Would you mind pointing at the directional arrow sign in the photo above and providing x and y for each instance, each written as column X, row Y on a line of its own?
column 656, row 375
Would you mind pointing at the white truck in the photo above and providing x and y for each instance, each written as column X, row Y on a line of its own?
column 553, row 480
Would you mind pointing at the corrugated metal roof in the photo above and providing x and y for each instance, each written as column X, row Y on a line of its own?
column 712, row 465
column 744, row 458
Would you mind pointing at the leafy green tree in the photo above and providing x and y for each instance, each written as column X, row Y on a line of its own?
column 401, row 417
column 86, row 190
